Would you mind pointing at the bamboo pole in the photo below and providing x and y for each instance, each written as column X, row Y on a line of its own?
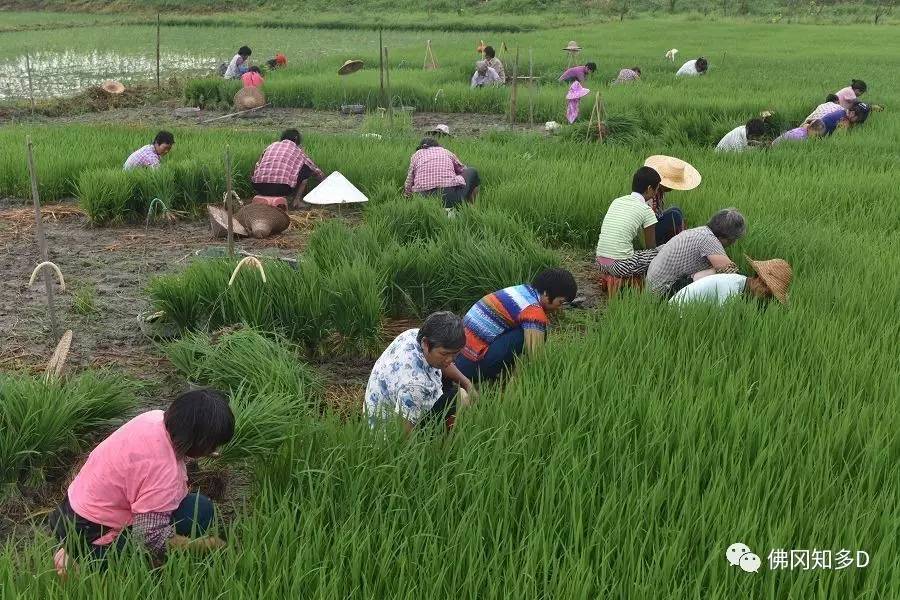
column 30, row 86
column 228, row 206
column 42, row 240
column 387, row 83
column 381, row 65
column 157, row 53
column 531, row 87
column 514, row 93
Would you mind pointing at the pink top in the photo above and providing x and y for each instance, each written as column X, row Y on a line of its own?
column 577, row 73
column 433, row 168
column 251, row 79
column 133, row 471
column 846, row 96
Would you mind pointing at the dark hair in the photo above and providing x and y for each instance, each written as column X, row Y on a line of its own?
column 702, row 64
column 636, row 70
column 643, row 178
column 728, row 224
column 591, row 66
column 490, row 52
column 198, row 422
column 254, row 70
column 443, row 330
column 245, row 51
column 861, row 110
column 557, row 283
column 755, row 127
column 164, row 137
column 832, row 98
column 292, row 135
column 859, row 85
column 427, row 143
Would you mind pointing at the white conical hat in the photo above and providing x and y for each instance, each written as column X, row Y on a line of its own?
column 335, row 189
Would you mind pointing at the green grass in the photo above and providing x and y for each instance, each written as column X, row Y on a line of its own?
column 43, row 423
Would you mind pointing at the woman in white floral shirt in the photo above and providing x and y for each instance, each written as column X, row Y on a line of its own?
column 415, row 377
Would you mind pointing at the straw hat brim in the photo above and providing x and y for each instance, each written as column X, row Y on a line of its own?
column 691, row 179
column 778, row 288
column 572, row 47
column 249, row 97
column 112, row 87
column 351, row 66
column 218, row 222
column 262, row 220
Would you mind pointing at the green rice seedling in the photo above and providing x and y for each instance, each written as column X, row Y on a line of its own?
column 408, row 220
column 402, row 125
column 300, row 306
column 245, row 357
column 84, row 301
column 334, row 243
column 42, row 422
column 354, row 290
column 411, row 278
column 105, row 194
column 190, row 298
column 147, row 184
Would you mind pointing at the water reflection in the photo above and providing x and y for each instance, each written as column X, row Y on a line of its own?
column 65, row 73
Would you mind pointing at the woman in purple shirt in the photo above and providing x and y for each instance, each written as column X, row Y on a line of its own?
column 579, row 73
column 812, row 129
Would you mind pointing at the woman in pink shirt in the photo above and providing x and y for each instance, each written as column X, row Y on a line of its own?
column 252, row 78
column 848, row 95
column 135, row 481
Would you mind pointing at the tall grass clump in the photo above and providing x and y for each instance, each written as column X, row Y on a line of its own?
column 44, row 421
column 230, row 359
column 105, row 195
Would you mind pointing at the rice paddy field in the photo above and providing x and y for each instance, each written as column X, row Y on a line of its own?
column 621, row 461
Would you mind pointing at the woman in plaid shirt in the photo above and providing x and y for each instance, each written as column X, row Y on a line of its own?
column 435, row 170
column 135, row 481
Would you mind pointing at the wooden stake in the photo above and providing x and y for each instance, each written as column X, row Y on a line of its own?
column 157, row 53
column 381, row 65
column 42, row 241
column 228, row 206
column 30, row 88
column 531, row 87
column 514, row 93
column 387, row 83
column 429, row 56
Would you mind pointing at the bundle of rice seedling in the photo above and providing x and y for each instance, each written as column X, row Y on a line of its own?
column 245, row 357
column 407, row 220
column 355, row 297
column 105, row 194
column 44, row 420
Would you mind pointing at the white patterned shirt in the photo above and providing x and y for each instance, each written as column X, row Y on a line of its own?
column 402, row 382
column 144, row 156
column 735, row 140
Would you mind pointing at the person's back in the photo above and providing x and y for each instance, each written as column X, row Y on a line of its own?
column 134, row 470
column 688, row 69
column 496, row 313
column 625, row 219
column 684, row 254
column 733, row 141
column 833, row 119
column 252, row 79
column 822, row 110
column 714, row 288
column 435, row 167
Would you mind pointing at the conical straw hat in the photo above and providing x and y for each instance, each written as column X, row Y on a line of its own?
column 249, row 97
column 572, row 47
column 112, row 87
column 676, row 174
column 262, row 220
column 350, row 66
column 776, row 273
column 218, row 222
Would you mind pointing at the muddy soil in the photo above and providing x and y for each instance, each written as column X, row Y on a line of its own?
column 307, row 120
column 106, row 271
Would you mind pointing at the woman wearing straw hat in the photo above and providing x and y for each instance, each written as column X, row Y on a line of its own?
column 772, row 280
column 149, row 155
column 675, row 174
column 696, row 253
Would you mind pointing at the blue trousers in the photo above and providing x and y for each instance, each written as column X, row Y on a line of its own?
column 669, row 224
column 193, row 517
column 500, row 355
